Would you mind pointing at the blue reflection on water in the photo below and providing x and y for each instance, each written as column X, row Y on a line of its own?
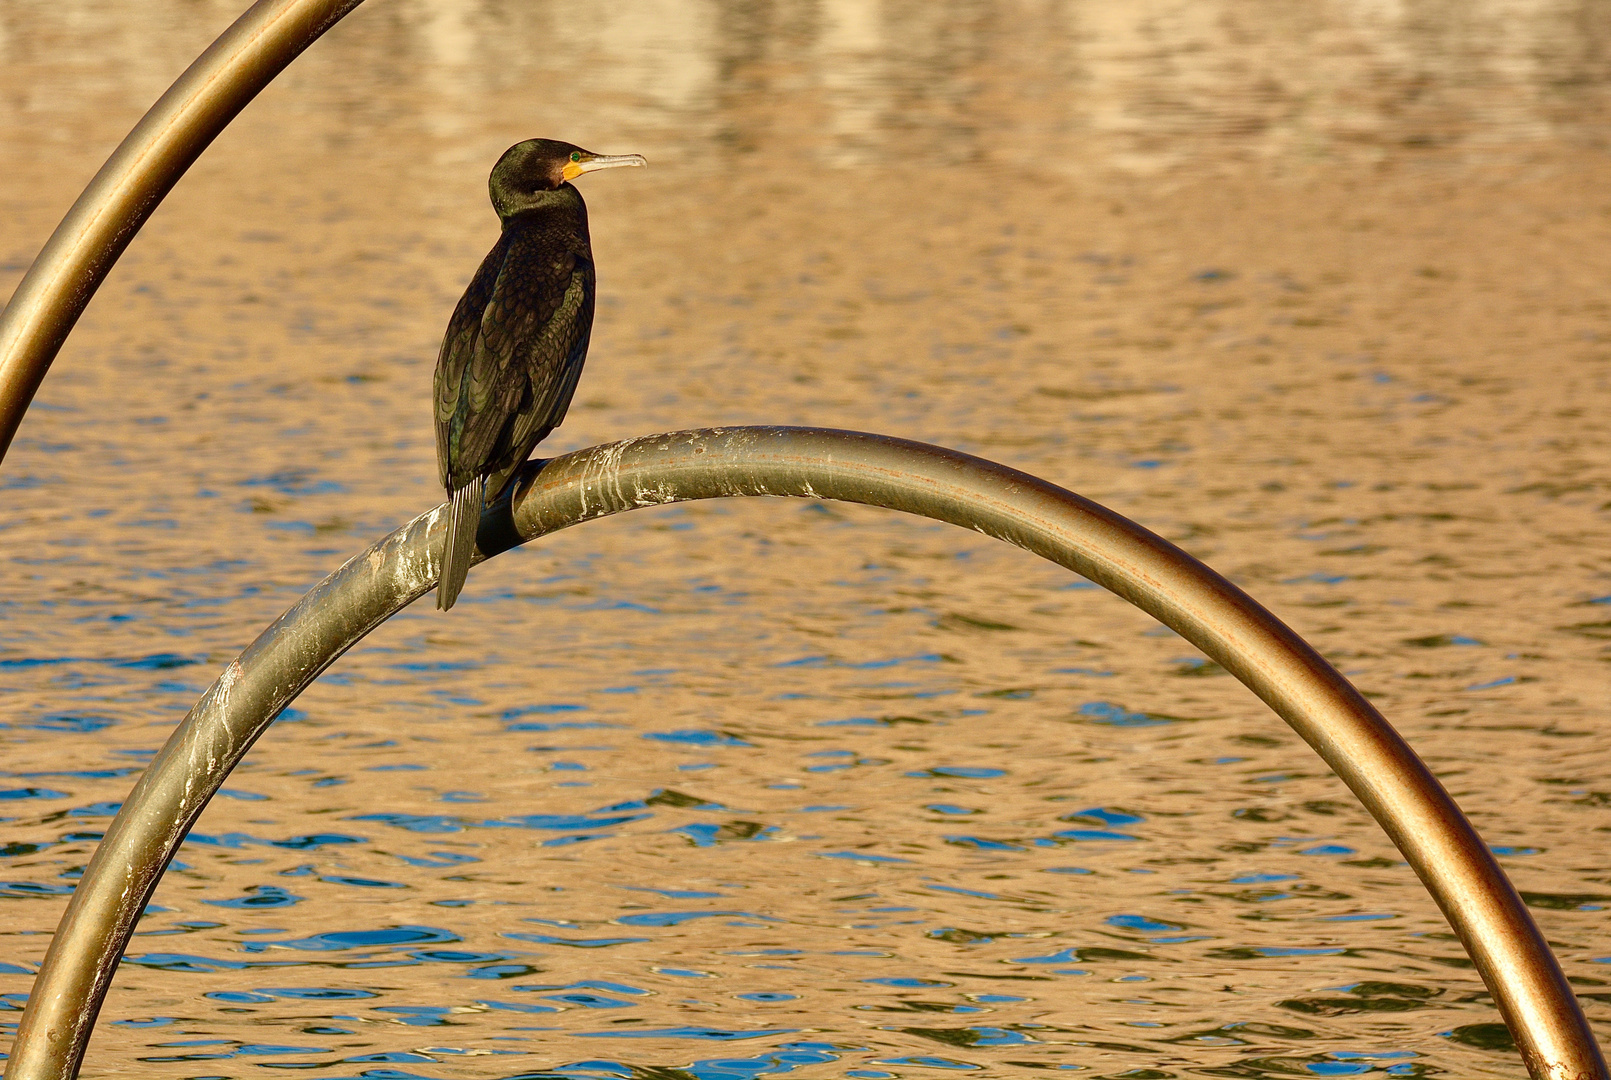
column 1143, row 924
column 339, row 940
column 70, row 723
column 31, row 793
column 696, row 737
column 982, row 844
column 259, row 897
column 970, row 772
column 709, row 834
column 1106, row 712
column 311, row 842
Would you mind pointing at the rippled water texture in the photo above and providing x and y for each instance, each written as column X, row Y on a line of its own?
column 729, row 790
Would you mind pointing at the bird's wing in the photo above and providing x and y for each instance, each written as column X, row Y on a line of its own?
column 556, row 354
column 495, row 382
column 517, row 375
column 458, row 346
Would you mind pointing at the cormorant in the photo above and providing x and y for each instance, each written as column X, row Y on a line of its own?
column 515, row 345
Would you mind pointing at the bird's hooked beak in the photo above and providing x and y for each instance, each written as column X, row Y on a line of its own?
column 593, row 162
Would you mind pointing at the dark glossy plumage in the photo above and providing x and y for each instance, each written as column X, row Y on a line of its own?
column 516, row 343
column 515, row 346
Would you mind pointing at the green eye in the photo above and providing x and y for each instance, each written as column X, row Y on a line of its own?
column 576, row 155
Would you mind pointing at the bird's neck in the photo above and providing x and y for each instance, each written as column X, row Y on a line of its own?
column 561, row 202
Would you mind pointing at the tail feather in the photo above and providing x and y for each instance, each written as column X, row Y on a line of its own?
column 464, row 515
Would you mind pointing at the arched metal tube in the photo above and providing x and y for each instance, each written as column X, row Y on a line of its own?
column 1210, row 612
column 134, row 180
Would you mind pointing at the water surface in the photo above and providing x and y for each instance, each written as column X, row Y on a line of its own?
column 773, row 787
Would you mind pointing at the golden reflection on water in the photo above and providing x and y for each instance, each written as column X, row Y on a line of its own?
column 1315, row 290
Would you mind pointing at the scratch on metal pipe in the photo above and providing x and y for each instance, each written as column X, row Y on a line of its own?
column 226, row 683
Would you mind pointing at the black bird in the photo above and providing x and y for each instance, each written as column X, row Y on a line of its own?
column 515, row 345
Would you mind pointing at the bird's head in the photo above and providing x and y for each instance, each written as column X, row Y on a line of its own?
column 538, row 165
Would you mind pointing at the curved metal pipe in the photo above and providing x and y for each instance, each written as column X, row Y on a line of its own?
column 134, row 180
column 1216, row 616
